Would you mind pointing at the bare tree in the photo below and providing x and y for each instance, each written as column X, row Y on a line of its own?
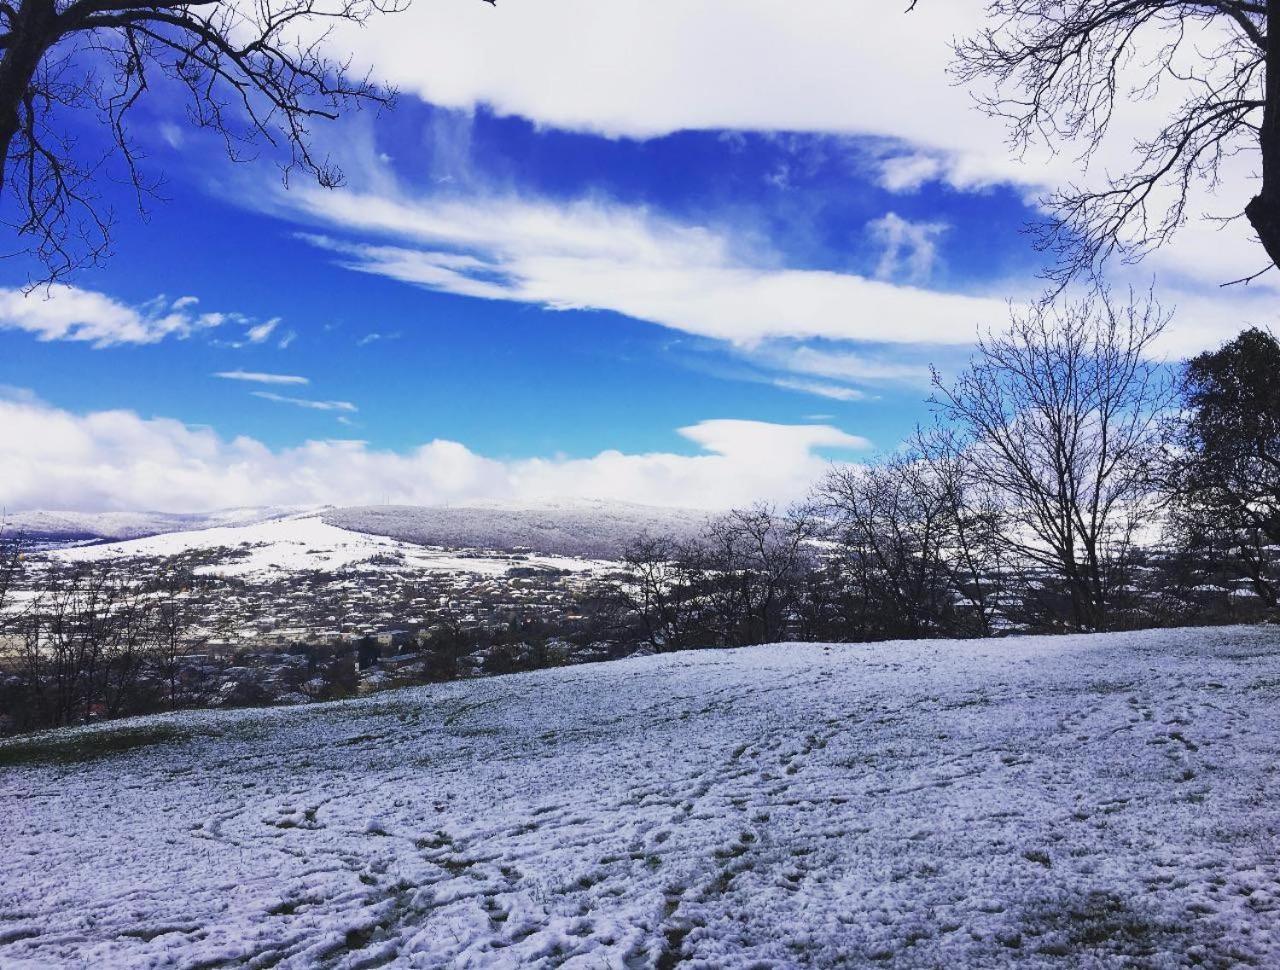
column 1061, row 415
column 757, row 560
column 11, row 563
column 1059, row 70
column 175, row 631
column 662, row 589
column 253, row 73
column 916, row 540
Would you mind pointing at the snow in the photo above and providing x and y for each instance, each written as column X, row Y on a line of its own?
column 582, row 528
column 71, row 526
column 302, row 542
column 1096, row 801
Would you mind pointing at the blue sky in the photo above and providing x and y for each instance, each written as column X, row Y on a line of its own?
column 502, row 303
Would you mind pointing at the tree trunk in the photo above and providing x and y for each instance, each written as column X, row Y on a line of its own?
column 33, row 31
column 1263, row 209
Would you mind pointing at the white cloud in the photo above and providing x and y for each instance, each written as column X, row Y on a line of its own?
column 55, row 459
column 833, row 391
column 907, row 173
column 844, row 365
column 909, row 248
column 61, row 312
column 260, row 332
column 640, row 68
column 302, row 402
column 595, row 254
column 256, row 377
column 371, row 338
column 592, row 254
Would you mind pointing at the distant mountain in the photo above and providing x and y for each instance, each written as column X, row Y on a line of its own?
column 592, row 529
column 588, row 529
column 68, row 527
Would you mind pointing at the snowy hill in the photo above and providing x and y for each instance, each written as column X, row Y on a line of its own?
column 584, row 529
column 596, row 530
column 296, row 543
column 60, row 527
column 1060, row 802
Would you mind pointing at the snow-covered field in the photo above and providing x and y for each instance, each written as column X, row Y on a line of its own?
column 305, row 541
column 1080, row 801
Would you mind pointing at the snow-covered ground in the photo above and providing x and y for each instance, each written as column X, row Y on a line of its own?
column 305, row 541
column 1098, row 801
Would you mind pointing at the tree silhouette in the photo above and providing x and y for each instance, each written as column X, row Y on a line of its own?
column 1060, row 68
column 255, row 73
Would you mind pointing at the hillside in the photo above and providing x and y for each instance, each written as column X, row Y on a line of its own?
column 582, row 529
column 1098, row 801
column 297, row 543
column 595, row 530
column 62, row 527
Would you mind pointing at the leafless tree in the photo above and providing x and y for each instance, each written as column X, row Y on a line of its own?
column 662, row 589
column 916, row 540
column 175, row 631
column 972, row 553
column 757, row 559
column 254, row 73
column 1059, row 70
column 11, row 562
column 1061, row 418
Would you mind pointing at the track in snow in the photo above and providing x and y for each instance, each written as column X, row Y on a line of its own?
column 1101, row 801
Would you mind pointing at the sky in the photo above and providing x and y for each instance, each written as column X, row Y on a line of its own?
column 675, row 253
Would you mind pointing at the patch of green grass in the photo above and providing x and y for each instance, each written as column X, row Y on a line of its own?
column 62, row 747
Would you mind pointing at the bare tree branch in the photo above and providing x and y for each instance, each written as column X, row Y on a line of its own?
column 256, row 74
column 1058, row 70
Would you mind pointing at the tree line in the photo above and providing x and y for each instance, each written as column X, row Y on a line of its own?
column 1069, row 481
column 94, row 642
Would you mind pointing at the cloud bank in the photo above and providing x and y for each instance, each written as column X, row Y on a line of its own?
column 118, row 460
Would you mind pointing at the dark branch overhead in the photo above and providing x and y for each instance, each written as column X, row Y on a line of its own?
column 257, row 74
column 1055, row 72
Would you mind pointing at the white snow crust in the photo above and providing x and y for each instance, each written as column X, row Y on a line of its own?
column 1104, row 801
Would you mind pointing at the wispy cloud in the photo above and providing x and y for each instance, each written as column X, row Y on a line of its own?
column 259, row 333
column 908, row 249
column 371, row 338
column 833, row 391
column 303, row 402
column 597, row 255
column 256, row 377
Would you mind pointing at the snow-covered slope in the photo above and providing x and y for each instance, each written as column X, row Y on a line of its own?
column 88, row 526
column 1079, row 801
column 583, row 529
column 302, row 542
